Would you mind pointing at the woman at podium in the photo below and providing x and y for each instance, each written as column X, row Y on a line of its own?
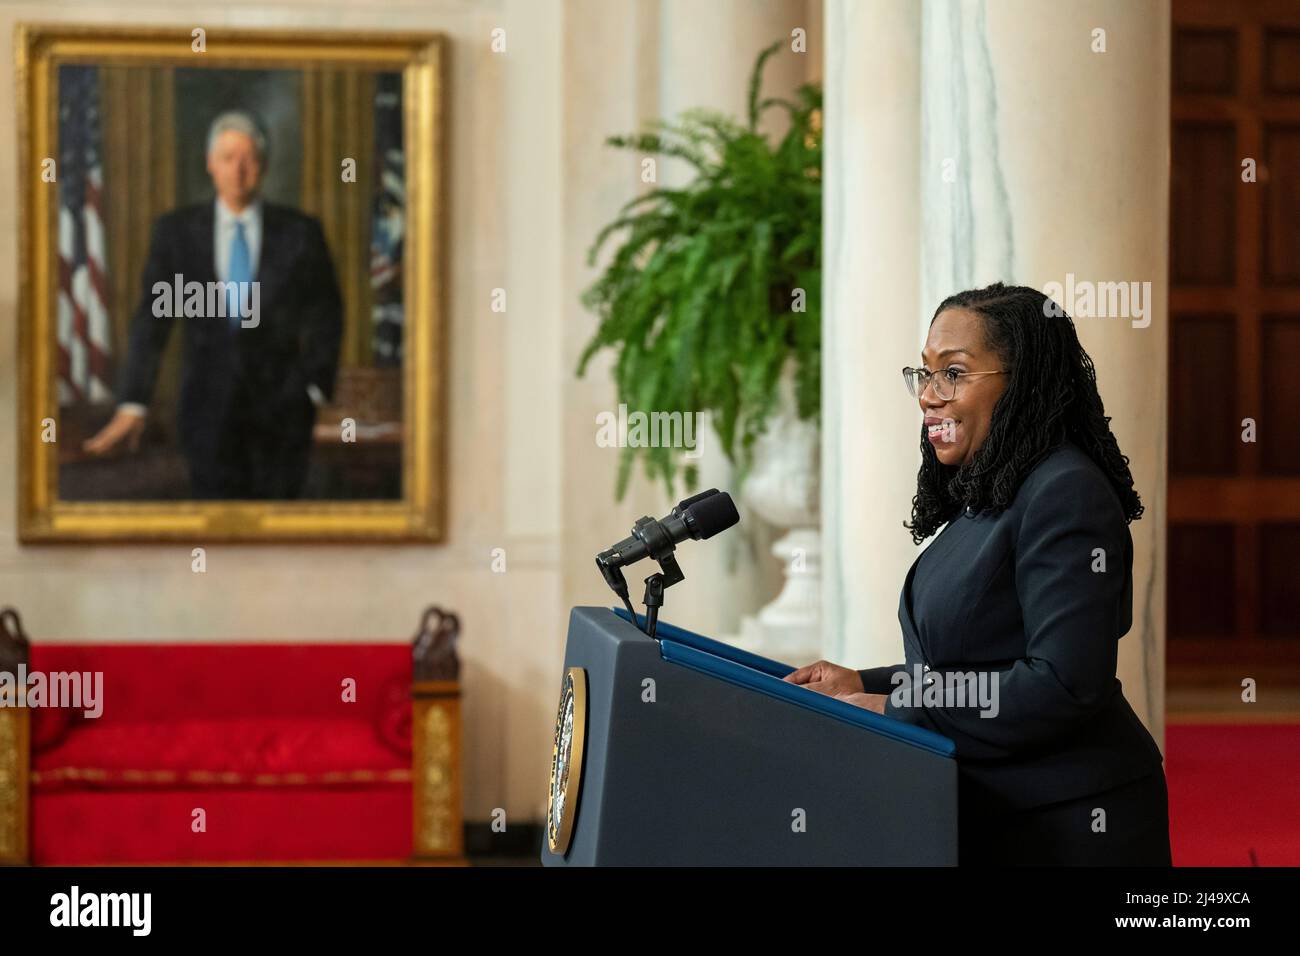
column 1011, row 618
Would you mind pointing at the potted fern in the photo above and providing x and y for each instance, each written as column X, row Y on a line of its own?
column 712, row 301
column 712, row 298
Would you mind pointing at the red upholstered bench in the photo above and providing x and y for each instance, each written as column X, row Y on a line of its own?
column 257, row 736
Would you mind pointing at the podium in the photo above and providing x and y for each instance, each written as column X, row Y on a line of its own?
column 686, row 751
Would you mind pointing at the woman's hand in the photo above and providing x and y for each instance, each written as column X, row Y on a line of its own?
column 827, row 678
column 872, row 702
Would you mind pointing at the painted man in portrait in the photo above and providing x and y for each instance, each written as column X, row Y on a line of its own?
column 263, row 321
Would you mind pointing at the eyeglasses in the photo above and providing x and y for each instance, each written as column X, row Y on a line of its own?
column 945, row 380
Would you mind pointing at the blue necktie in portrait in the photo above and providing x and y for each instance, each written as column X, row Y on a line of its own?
column 240, row 274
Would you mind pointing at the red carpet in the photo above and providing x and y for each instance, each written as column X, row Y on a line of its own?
column 1234, row 791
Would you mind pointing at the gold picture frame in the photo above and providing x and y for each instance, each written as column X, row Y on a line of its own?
column 420, row 58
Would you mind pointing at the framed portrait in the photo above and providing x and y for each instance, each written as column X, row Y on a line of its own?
column 232, row 285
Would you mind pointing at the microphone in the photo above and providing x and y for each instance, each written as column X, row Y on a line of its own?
column 698, row 518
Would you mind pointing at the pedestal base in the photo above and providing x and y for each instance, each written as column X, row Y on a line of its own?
column 790, row 628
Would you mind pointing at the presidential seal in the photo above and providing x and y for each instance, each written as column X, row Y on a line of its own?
column 566, row 760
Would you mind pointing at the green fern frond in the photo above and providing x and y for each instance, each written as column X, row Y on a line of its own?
column 697, row 297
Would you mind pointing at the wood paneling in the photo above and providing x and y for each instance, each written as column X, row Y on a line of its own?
column 1205, row 61
column 1280, row 193
column 1234, row 505
column 1282, row 62
column 1201, row 601
column 1279, row 563
column 1279, row 436
column 1203, row 427
column 1203, row 203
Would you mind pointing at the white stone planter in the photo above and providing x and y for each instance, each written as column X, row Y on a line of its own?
column 784, row 489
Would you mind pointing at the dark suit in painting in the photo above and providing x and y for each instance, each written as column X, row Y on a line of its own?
column 245, row 414
column 1020, row 593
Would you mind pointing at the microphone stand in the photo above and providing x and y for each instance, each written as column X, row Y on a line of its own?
column 669, row 574
column 654, row 592
column 658, row 546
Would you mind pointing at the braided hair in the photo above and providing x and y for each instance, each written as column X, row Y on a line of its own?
column 1051, row 395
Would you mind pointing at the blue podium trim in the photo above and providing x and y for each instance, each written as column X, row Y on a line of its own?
column 710, row 646
column 760, row 674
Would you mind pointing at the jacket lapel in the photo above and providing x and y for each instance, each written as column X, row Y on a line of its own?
column 269, row 266
column 911, row 641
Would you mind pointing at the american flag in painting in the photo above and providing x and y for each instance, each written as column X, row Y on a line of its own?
column 84, row 332
column 388, row 223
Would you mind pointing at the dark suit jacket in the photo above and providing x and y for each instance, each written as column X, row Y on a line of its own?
column 1016, row 593
column 257, row 376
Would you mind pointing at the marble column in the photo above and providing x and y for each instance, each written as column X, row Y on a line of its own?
column 870, row 324
column 1043, row 158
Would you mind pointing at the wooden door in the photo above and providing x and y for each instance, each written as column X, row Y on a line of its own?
column 1233, row 582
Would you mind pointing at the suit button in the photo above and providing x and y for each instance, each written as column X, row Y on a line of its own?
column 970, row 512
